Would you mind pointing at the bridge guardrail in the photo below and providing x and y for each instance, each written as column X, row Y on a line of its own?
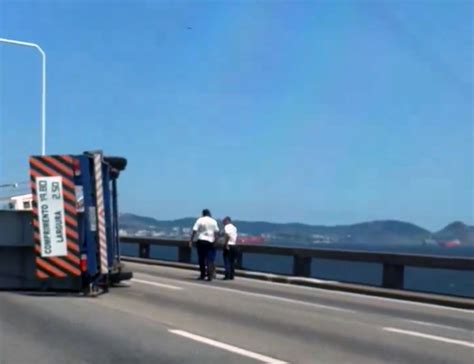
column 393, row 263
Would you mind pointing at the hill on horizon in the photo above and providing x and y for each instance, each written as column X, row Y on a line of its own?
column 380, row 232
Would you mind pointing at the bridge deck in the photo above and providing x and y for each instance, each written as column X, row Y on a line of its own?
column 165, row 316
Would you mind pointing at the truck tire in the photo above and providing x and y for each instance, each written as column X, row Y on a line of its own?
column 118, row 163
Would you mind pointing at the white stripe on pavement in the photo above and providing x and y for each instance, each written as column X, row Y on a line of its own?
column 356, row 295
column 156, row 284
column 277, row 298
column 328, row 292
column 267, row 296
column 423, row 323
column 430, row 337
column 231, row 348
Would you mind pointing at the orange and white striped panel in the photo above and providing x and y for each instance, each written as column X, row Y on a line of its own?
column 67, row 263
column 99, row 194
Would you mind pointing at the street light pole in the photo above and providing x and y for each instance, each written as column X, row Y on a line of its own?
column 14, row 185
column 43, row 85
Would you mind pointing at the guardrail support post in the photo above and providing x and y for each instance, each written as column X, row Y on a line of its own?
column 144, row 251
column 393, row 276
column 184, row 254
column 239, row 261
column 301, row 266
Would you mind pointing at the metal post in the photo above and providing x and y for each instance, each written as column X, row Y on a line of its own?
column 393, row 276
column 239, row 261
column 43, row 85
column 43, row 104
column 184, row 254
column 115, row 218
column 301, row 266
column 144, row 251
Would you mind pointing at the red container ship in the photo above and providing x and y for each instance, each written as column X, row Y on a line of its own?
column 249, row 240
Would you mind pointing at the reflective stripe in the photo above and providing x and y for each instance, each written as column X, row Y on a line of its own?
column 104, row 269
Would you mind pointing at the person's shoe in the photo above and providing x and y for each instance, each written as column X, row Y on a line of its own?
column 209, row 279
column 226, row 278
column 200, row 278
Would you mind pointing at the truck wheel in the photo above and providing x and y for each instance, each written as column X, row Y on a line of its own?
column 118, row 163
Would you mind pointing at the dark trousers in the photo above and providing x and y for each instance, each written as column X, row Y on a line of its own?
column 206, row 255
column 230, row 255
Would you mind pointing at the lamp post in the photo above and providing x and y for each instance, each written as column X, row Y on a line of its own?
column 43, row 85
column 13, row 185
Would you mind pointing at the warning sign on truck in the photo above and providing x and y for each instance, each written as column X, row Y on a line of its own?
column 51, row 216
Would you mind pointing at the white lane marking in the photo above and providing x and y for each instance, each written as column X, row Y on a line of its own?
column 398, row 301
column 156, row 284
column 357, row 295
column 350, row 294
column 267, row 296
column 423, row 323
column 231, row 348
column 430, row 337
column 271, row 276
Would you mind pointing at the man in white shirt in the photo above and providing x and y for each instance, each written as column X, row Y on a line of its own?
column 230, row 248
column 206, row 229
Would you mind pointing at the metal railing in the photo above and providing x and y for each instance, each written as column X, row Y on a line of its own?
column 393, row 264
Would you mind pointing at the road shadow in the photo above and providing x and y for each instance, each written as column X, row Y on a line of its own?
column 120, row 285
column 47, row 294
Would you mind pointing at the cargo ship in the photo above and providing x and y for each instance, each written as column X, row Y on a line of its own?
column 249, row 239
column 450, row 244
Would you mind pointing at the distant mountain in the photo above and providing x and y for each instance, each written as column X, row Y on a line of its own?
column 385, row 232
column 132, row 221
column 456, row 231
column 370, row 233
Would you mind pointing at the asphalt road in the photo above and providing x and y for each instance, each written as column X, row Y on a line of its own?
column 166, row 316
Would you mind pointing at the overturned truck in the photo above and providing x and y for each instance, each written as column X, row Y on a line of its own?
column 70, row 238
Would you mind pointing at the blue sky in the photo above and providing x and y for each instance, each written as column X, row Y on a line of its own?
column 324, row 112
